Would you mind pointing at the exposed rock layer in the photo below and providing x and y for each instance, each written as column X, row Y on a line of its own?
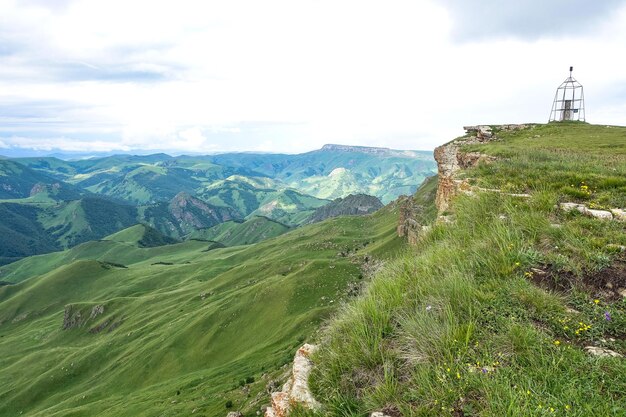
column 450, row 160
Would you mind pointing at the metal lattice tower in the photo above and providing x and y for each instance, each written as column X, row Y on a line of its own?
column 569, row 101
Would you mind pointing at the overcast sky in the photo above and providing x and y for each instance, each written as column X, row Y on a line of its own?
column 290, row 76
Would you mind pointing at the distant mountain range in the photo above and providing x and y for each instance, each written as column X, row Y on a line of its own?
column 49, row 204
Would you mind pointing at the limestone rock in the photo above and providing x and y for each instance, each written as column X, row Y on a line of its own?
column 481, row 132
column 571, row 206
column 378, row 414
column 513, row 127
column 296, row 390
column 602, row 352
column 447, row 166
column 581, row 208
column 408, row 226
column 599, row 214
column 619, row 214
column 450, row 160
column 234, row 414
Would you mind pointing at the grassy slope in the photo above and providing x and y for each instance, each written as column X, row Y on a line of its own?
column 457, row 326
column 234, row 233
column 193, row 322
column 141, row 235
column 249, row 197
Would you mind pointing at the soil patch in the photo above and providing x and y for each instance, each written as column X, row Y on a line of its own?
column 608, row 284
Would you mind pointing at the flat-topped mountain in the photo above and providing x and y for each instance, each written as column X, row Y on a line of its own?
column 369, row 150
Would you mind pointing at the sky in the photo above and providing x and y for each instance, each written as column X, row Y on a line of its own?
column 289, row 76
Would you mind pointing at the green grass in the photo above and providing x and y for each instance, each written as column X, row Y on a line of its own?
column 253, row 230
column 183, row 324
column 457, row 326
column 579, row 162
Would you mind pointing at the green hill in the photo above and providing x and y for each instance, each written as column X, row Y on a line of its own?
column 331, row 172
column 249, row 197
column 354, row 204
column 235, row 233
column 184, row 214
column 82, row 200
column 20, row 182
column 113, row 329
column 141, row 235
column 494, row 312
column 337, row 171
column 32, row 228
column 20, row 233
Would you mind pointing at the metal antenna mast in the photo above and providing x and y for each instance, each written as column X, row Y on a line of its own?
column 569, row 101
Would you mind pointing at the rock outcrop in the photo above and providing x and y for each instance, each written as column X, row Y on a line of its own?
column 190, row 211
column 612, row 214
column 602, row 352
column 79, row 315
column 296, row 391
column 408, row 226
column 450, row 160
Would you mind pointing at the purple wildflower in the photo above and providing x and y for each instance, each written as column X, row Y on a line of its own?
column 607, row 316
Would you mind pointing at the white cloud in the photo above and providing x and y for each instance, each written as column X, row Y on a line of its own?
column 278, row 75
column 63, row 143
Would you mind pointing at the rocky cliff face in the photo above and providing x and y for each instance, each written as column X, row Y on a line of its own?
column 451, row 159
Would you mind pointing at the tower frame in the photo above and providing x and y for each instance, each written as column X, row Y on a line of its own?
column 569, row 101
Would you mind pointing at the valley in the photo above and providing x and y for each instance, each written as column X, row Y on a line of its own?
column 51, row 204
